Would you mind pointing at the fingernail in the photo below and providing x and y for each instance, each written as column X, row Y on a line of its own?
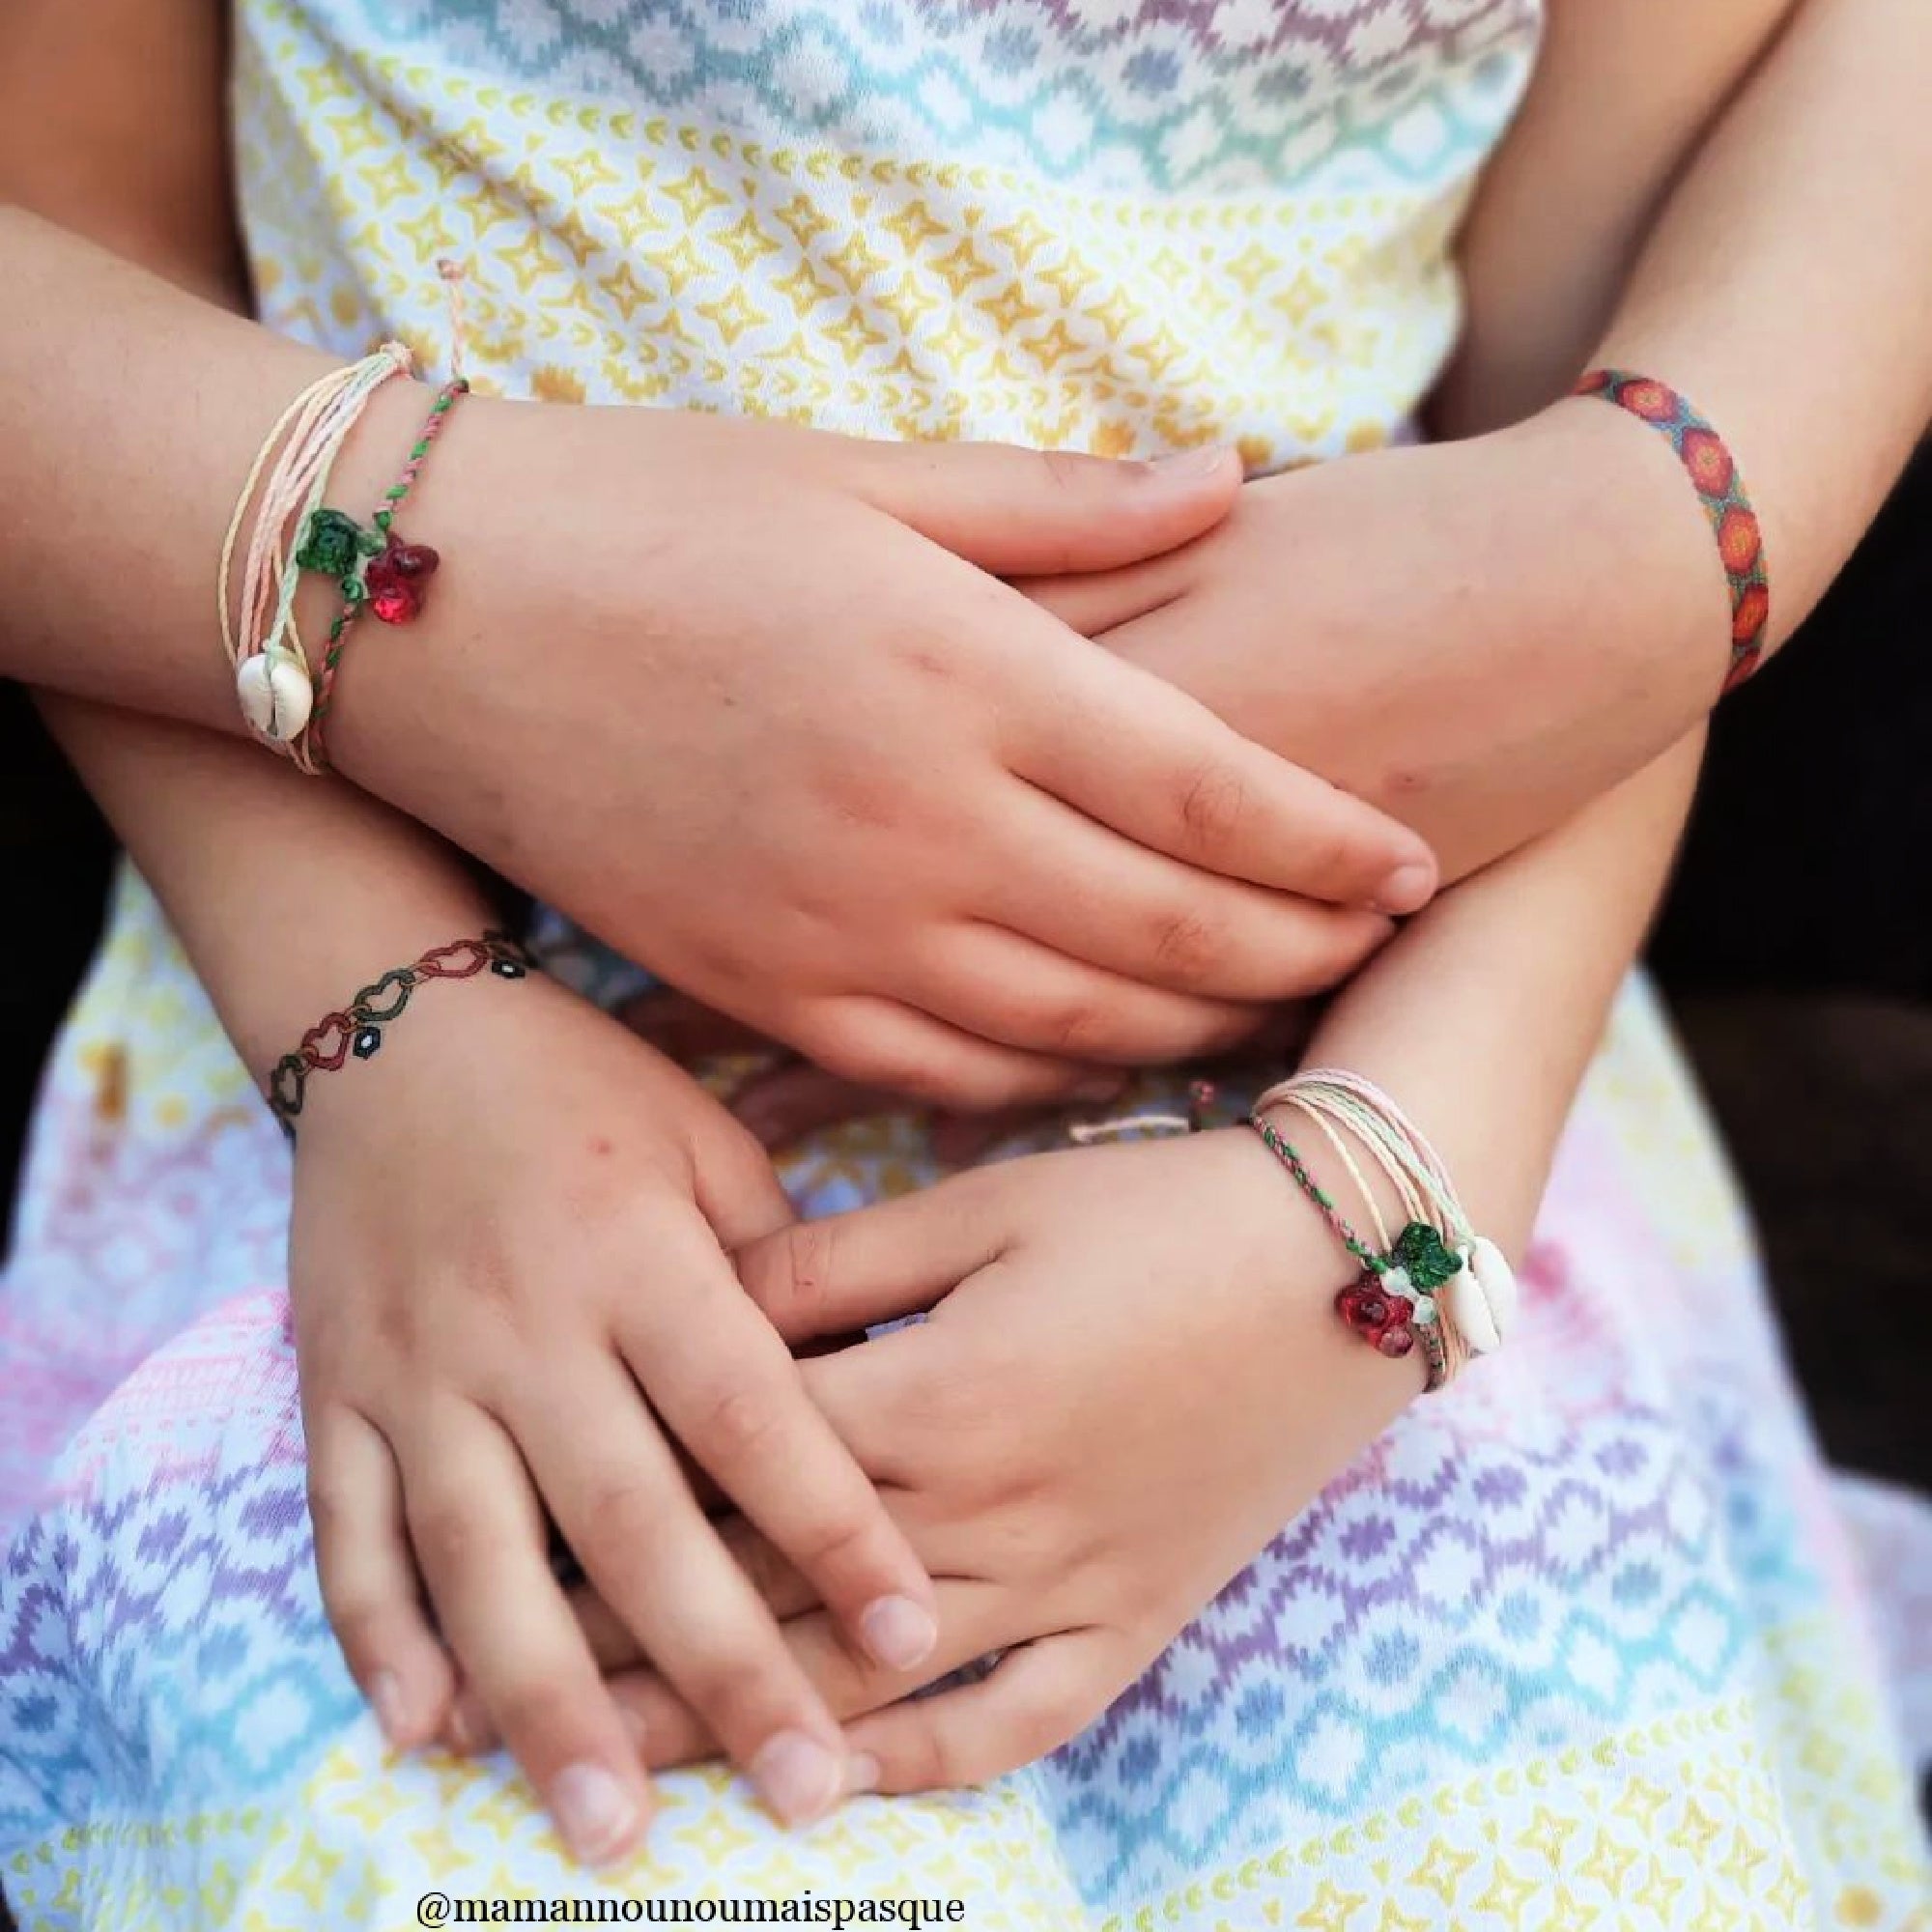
column 1407, row 888
column 797, row 1776
column 386, row 1699
column 1188, row 464
column 862, row 1773
column 593, row 1811
column 898, row 1632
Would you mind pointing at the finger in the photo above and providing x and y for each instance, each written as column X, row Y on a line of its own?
column 1127, row 748
column 675, row 1733
column 782, row 1586
column 1094, row 897
column 1016, row 511
column 478, row 1536
column 734, row 1187
column 788, row 1102
column 682, row 1028
column 1094, row 602
column 727, row 1388
column 1035, row 1699
column 849, row 1271
column 924, row 1057
column 1026, row 995
column 368, row 1578
column 652, row 1555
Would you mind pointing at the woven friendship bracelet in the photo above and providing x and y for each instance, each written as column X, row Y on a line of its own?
column 355, row 1032
column 1713, row 471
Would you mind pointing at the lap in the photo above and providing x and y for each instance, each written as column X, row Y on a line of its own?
column 1582, row 1629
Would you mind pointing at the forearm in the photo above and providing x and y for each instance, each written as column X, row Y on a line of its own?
column 129, row 413
column 1482, row 1016
column 288, row 893
column 1783, row 285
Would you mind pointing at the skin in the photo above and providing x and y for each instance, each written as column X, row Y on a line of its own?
column 406, row 872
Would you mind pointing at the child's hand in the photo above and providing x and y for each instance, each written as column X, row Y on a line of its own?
column 1481, row 636
column 511, row 1294
column 789, row 743
column 1136, row 1381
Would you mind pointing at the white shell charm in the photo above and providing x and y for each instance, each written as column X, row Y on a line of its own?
column 1481, row 1296
column 275, row 693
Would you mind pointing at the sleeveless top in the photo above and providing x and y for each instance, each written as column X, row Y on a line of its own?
column 1087, row 224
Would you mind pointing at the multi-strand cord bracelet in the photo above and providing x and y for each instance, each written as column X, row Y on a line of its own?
column 284, row 700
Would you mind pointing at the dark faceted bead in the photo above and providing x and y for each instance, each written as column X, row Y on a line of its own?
column 506, row 969
column 365, row 1042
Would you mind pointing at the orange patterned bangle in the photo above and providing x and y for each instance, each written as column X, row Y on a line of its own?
column 1713, row 471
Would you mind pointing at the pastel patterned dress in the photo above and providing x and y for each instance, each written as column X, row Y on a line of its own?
column 1588, row 1641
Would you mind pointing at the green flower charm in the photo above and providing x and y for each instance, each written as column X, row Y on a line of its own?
column 330, row 542
column 339, row 547
column 1420, row 1252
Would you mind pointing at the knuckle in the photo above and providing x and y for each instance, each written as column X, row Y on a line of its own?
column 361, row 1624
column 836, row 1544
column 450, row 1537
column 618, row 1512
column 1213, row 805
column 736, row 1423
column 1077, row 1028
column 1186, row 946
column 800, row 1288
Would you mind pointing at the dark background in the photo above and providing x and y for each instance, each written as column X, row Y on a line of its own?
column 1796, row 949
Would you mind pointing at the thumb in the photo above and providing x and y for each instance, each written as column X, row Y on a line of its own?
column 1042, row 512
column 834, row 1276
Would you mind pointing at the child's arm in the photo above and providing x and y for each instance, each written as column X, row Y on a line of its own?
column 507, row 1223
column 1784, row 282
column 1486, row 633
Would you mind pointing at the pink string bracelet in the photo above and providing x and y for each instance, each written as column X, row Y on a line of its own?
column 283, row 701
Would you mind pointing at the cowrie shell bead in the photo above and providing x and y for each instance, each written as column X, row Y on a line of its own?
column 1499, row 1279
column 1469, row 1311
column 275, row 695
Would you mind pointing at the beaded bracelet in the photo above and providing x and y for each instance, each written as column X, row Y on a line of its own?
column 1713, row 471
column 1436, row 1285
column 357, row 1029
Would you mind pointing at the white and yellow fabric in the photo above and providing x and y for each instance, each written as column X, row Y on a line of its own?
column 1583, row 1642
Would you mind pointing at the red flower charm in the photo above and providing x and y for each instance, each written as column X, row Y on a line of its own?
column 1378, row 1316
column 396, row 578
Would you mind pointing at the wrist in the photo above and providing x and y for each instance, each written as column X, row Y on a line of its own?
column 1646, row 587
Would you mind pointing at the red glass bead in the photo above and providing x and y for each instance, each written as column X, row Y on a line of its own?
column 395, row 602
column 413, row 559
column 1395, row 1343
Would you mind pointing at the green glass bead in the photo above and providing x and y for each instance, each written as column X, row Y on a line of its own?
column 383, row 519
